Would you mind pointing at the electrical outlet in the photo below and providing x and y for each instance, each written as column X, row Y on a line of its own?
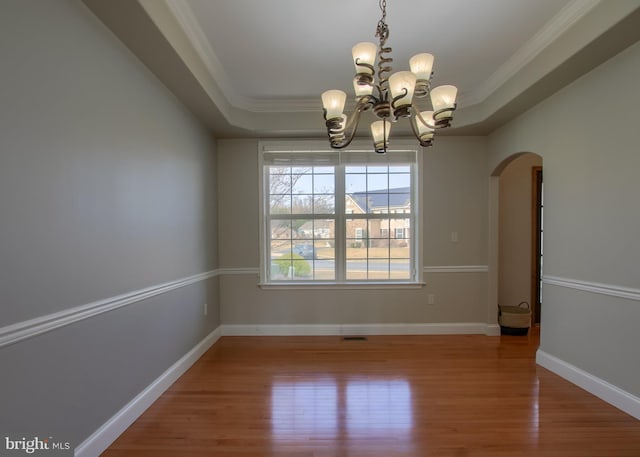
column 431, row 299
column 205, row 309
column 454, row 237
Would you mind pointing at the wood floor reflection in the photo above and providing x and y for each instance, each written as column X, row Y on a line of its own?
column 439, row 396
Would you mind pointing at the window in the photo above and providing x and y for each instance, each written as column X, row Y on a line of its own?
column 338, row 216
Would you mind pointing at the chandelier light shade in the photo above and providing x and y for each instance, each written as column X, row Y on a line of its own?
column 380, row 133
column 390, row 98
column 364, row 56
column 443, row 99
column 401, row 85
column 424, row 129
column 333, row 101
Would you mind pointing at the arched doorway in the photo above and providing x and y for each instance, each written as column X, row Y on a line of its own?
column 516, row 232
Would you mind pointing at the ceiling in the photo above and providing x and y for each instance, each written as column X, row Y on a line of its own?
column 258, row 67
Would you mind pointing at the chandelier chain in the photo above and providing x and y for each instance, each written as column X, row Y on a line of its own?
column 382, row 32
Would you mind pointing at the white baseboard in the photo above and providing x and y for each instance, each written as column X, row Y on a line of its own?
column 361, row 329
column 613, row 395
column 102, row 438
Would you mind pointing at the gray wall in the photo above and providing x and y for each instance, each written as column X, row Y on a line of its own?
column 455, row 200
column 587, row 135
column 107, row 186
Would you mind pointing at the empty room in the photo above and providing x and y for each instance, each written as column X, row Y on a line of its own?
column 314, row 229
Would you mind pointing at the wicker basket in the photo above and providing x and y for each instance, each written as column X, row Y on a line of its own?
column 514, row 320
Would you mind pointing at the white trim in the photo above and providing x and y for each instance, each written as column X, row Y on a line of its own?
column 26, row 329
column 457, row 269
column 545, row 37
column 342, row 285
column 102, row 438
column 238, row 271
column 427, row 269
column 462, row 328
column 594, row 287
column 613, row 395
column 185, row 17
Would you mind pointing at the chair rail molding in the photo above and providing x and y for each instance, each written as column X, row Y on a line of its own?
column 593, row 287
column 19, row 331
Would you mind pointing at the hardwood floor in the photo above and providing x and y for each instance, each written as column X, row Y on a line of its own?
column 436, row 396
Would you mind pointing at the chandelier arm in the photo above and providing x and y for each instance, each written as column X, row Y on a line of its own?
column 380, row 92
column 414, row 129
column 338, row 137
column 365, row 65
column 400, row 111
column 398, row 97
column 445, row 122
column 418, row 115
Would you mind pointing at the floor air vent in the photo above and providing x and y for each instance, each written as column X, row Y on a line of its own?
column 354, row 338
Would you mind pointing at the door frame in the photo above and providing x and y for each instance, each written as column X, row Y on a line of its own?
column 536, row 242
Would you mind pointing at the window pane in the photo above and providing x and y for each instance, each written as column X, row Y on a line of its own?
column 356, row 270
column 291, row 267
column 400, row 258
column 400, row 269
column 279, row 183
column 302, row 204
column 379, row 233
column 324, row 204
column 302, row 229
column 378, row 269
column 324, row 229
column 378, row 202
column 400, row 169
column 400, row 203
column 302, row 183
column 377, row 169
column 355, row 183
column 302, row 218
column 280, row 204
column 356, row 231
column 324, row 184
column 399, row 181
column 281, row 230
column 377, row 182
column 324, row 266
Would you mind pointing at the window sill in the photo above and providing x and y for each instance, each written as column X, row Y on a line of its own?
column 342, row 286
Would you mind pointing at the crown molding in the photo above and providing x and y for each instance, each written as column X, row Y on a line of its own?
column 559, row 24
column 185, row 17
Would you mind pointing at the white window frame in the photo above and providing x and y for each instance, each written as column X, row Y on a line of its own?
column 357, row 147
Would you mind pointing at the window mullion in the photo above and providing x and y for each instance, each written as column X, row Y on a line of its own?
column 340, row 240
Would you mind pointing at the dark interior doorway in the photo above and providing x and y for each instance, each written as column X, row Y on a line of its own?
column 537, row 231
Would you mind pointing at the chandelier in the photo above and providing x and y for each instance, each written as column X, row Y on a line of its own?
column 390, row 98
